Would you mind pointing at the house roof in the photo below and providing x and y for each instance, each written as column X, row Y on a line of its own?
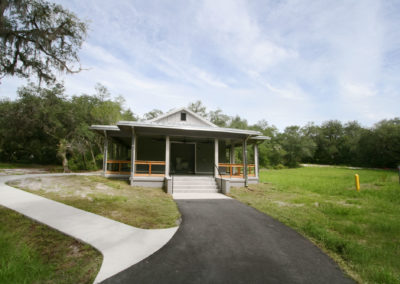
column 187, row 127
column 158, row 118
column 162, row 125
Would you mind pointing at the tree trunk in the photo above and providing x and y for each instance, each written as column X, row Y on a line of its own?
column 63, row 147
column 65, row 162
column 93, row 158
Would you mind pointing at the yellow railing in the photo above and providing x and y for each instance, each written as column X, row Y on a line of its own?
column 236, row 170
column 123, row 167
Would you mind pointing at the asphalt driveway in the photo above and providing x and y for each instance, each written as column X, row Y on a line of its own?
column 225, row 241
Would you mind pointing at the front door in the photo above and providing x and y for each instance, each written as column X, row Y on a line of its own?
column 183, row 158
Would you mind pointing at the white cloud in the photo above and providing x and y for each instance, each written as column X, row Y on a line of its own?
column 289, row 62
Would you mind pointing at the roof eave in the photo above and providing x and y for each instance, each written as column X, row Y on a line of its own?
column 203, row 129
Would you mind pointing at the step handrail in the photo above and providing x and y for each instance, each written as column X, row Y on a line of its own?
column 220, row 176
column 172, row 190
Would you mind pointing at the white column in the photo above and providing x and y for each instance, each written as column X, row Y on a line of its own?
column 256, row 159
column 232, row 154
column 133, row 154
column 246, row 182
column 216, row 157
column 167, row 147
column 105, row 153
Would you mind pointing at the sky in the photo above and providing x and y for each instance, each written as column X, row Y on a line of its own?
column 288, row 62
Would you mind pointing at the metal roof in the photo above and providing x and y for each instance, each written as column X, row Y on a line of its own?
column 122, row 129
column 105, row 127
column 190, row 128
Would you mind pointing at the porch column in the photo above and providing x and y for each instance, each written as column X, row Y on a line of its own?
column 246, row 181
column 133, row 154
column 216, row 151
column 167, row 147
column 105, row 153
column 256, row 160
column 232, row 154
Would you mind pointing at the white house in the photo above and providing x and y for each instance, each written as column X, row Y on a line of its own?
column 179, row 143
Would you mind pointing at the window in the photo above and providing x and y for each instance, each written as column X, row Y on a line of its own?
column 183, row 116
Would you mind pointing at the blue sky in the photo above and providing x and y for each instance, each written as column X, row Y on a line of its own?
column 289, row 62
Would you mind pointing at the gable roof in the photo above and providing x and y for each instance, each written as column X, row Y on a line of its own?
column 174, row 111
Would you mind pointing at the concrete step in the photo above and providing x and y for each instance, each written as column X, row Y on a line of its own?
column 194, row 184
column 193, row 177
column 188, row 187
column 208, row 182
column 195, row 190
column 193, row 180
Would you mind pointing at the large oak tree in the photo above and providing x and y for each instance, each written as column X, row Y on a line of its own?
column 39, row 38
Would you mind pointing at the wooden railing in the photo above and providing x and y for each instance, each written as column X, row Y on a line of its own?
column 236, row 170
column 118, row 167
column 123, row 167
column 150, row 164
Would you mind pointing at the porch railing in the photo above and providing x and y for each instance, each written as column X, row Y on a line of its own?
column 121, row 167
column 118, row 167
column 236, row 170
column 150, row 172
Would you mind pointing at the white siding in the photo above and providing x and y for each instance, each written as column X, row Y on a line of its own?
column 175, row 119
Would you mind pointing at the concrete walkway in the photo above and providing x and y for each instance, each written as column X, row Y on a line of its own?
column 121, row 245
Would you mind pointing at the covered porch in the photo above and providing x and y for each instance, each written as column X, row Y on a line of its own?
column 159, row 153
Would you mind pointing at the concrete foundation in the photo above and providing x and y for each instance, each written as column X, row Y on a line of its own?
column 223, row 184
column 117, row 176
column 147, row 181
column 168, row 185
column 226, row 183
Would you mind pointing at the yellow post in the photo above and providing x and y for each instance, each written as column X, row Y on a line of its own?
column 357, row 182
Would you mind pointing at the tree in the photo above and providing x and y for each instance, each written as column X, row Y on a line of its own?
column 199, row 108
column 238, row 122
column 45, row 126
column 329, row 140
column 152, row 114
column 349, row 146
column 296, row 145
column 380, row 146
column 31, row 127
column 38, row 37
column 218, row 118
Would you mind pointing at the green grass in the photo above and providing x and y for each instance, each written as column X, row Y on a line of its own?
column 147, row 208
column 34, row 253
column 360, row 230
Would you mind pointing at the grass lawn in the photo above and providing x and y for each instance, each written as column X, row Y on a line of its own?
column 34, row 253
column 360, row 230
column 147, row 208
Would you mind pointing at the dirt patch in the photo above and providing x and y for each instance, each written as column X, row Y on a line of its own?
column 284, row 204
column 64, row 186
column 344, row 203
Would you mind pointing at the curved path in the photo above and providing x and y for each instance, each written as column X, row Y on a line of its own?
column 121, row 245
column 225, row 241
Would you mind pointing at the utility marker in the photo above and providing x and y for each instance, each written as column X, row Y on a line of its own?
column 357, row 182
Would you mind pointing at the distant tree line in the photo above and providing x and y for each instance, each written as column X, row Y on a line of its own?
column 45, row 126
column 332, row 142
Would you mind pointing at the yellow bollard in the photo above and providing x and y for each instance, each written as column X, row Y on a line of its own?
column 357, row 182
